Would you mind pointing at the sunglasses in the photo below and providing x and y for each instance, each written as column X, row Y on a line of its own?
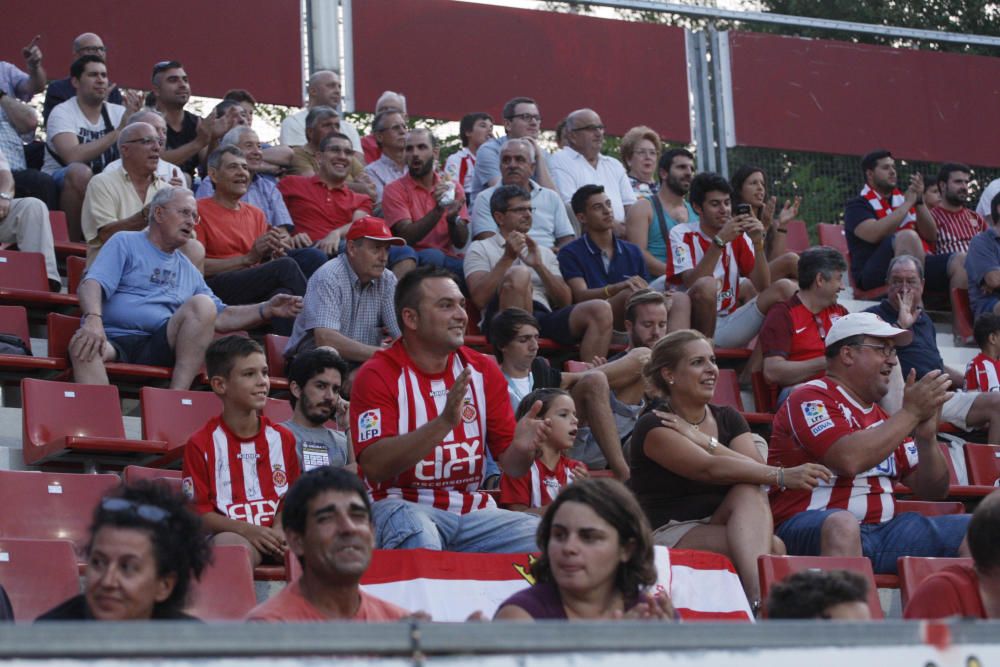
column 150, row 513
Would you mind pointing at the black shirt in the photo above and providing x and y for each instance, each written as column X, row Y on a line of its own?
column 76, row 609
column 187, row 134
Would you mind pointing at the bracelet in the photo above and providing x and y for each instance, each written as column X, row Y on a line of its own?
column 97, row 315
column 781, row 478
column 260, row 311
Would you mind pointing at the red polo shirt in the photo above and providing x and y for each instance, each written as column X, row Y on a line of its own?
column 792, row 331
column 227, row 232
column 406, row 199
column 317, row 209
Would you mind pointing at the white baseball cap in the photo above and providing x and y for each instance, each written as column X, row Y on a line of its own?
column 866, row 324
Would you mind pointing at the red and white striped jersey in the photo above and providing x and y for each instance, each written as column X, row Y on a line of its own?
column 687, row 247
column 240, row 479
column 539, row 486
column 982, row 374
column 391, row 397
column 461, row 166
column 815, row 416
column 955, row 229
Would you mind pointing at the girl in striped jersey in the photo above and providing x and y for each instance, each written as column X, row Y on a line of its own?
column 552, row 469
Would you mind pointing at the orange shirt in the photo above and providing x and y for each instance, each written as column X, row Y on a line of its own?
column 290, row 606
column 229, row 232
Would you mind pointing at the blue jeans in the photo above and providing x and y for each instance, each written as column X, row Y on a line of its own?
column 400, row 524
column 438, row 258
column 907, row 534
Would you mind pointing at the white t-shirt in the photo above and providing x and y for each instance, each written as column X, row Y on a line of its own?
column 164, row 169
column 571, row 171
column 293, row 131
column 67, row 117
column 484, row 255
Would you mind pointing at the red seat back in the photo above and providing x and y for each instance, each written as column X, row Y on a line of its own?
column 50, row 506
column 982, row 463
column 172, row 415
column 172, row 478
column 765, row 394
column 278, row 410
column 797, row 238
column 928, row 508
column 575, row 366
column 61, row 330
column 75, row 268
column 60, row 228
column 14, row 320
column 37, row 575
column 23, row 270
column 225, row 591
column 913, row 570
column 833, row 236
column 727, row 390
column 773, row 569
column 274, row 349
column 54, row 410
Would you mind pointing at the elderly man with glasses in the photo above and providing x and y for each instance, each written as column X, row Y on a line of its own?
column 836, row 420
column 57, row 92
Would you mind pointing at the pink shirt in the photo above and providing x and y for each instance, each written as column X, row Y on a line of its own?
column 291, row 606
column 406, row 199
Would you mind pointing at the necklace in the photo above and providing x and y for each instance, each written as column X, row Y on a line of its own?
column 695, row 425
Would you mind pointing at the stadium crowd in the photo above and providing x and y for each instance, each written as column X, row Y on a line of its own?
column 376, row 261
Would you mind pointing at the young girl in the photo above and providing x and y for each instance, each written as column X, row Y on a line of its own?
column 552, row 469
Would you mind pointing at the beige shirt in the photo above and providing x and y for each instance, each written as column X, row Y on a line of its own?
column 485, row 254
column 110, row 198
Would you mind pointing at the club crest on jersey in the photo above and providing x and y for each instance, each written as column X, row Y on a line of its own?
column 369, row 425
column 468, row 411
column 278, row 476
column 680, row 254
column 187, row 487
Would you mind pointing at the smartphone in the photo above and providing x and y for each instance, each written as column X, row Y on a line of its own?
column 743, row 209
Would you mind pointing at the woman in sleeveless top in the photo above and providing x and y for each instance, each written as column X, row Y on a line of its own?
column 750, row 187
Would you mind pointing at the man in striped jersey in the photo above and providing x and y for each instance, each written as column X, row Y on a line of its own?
column 422, row 414
column 836, row 420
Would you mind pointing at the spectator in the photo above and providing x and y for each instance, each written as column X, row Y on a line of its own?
column 932, row 194
column 144, row 302
column 245, row 259
column 145, row 548
column 324, row 89
column 983, row 372
column 596, row 562
column 60, row 90
column 25, row 221
column 695, row 468
column 390, row 130
column 322, row 122
column 985, row 197
column 169, row 173
column 903, row 308
column 599, row 266
column 651, row 218
column 474, row 130
column 961, row 590
column 982, row 264
column 314, row 382
column 710, row 256
column 423, row 466
column 263, row 191
column 19, row 119
column 750, row 187
column 640, row 151
column 116, row 200
column 349, row 301
column 24, row 85
column 836, row 421
column 387, row 101
column 521, row 120
column 188, row 136
column 328, row 523
column 552, row 469
column 427, row 211
column 838, row 595
column 956, row 224
column 322, row 205
column 82, row 132
column 791, row 338
column 581, row 163
column 882, row 222
column 550, row 225
column 510, row 270
column 256, row 452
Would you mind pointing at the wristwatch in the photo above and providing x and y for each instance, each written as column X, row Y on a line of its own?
column 719, row 242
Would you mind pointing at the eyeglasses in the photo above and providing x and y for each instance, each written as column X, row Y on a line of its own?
column 887, row 349
column 527, row 117
column 189, row 213
column 145, row 141
column 520, row 209
column 589, row 128
column 150, row 513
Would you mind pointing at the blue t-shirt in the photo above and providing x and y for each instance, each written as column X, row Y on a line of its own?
column 983, row 257
column 582, row 259
column 922, row 353
column 143, row 286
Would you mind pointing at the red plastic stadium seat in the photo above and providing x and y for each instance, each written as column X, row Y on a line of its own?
column 983, row 464
column 37, row 575
column 963, row 315
column 61, row 330
column 23, row 281
column 63, row 419
column 172, row 478
column 14, row 320
column 773, row 569
column 60, row 235
column 172, row 415
column 274, row 349
column 293, row 570
column 75, row 268
column 278, row 410
column 575, row 366
column 225, row 591
column 929, row 508
column 797, row 239
column 913, row 570
column 50, row 506
column 834, row 236
column 765, row 394
column 727, row 392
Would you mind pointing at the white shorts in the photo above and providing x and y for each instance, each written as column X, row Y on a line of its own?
column 956, row 410
column 739, row 327
column 669, row 534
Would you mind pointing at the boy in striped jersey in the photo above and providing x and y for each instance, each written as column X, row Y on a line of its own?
column 239, row 466
column 983, row 372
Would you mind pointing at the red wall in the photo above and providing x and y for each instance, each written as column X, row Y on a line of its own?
column 836, row 97
column 451, row 58
column 252, row 44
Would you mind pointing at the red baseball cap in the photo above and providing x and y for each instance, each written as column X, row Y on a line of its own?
column 370, row 227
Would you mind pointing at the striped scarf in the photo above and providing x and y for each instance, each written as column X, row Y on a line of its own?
column 883, row 208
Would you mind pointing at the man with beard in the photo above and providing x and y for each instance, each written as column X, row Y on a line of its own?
column 651, row 218
column 956, row 224
column 314, row 380
column 422, row 208
column 550, row 225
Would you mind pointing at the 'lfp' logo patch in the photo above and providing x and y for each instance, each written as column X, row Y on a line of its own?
column 369, row 425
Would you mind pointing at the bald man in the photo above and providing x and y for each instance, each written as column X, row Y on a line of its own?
column 324, row 89
column 170, row 173
column 87, row 44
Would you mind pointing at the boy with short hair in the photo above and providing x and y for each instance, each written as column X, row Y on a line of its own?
column 983, row 372
column 239, row 466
